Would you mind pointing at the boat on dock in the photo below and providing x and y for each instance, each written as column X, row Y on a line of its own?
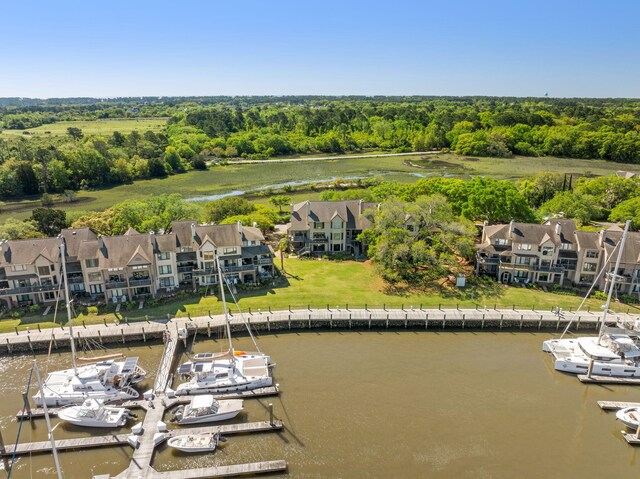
column 196, row 442
column 205, row 408
column 629, row 416
column 94, row 413
column 106, row 379
column 615, row 352
column 226, row 372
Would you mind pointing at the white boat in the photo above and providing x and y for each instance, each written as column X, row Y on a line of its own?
column 614, row 352
column 226, row 372
column 110, row 380
column 205, row 408
column 629, row 416
column 93, row 413
column 195, row 442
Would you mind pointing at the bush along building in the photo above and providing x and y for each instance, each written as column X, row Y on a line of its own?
column 557, row 253
column 131, row 266
column 329, row 227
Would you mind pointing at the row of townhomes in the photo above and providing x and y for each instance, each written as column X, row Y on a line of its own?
column 556, row 252
column 329, row 227
column 131, row 266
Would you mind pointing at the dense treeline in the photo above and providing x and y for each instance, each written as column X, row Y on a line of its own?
column 261, row 127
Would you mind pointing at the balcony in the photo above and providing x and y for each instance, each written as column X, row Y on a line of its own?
column 115, row 284
column 186, row 269
column 76, row 279
column 265, row 261
column 489, row 260
column 204, row 272
column 139, row 282
column 33, row 288
column 235, row 269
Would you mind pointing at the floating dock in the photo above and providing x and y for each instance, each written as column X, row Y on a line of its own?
column 614, row 405
column 607, row 380
column 65, row 444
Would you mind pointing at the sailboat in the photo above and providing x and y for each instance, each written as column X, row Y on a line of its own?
column 226, row 372
column 105, row 379
column 614, row 352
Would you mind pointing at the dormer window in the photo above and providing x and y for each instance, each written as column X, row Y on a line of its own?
column 336, row 224
column 591, row 254
column 501, row 241
column 524, row 246
column 318, row 225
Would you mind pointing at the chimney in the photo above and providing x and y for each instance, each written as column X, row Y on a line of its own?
column 100, row 242
column 360, row 205
column 558, row 228
column 193, row 231
column 255, row 225
column 152, row 237
column 511, row 226
column 4, row 246
column 239, row 226
column 602, row 236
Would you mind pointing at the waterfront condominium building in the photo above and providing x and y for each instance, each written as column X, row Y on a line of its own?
column 130, row 266
column 327, row 227
column 556, row 252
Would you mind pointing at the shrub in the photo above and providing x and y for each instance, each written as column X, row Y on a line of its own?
column 16, row 314
column 92, row 310
column 34, row 308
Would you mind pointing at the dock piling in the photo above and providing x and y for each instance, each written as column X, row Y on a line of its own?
column 271, row 414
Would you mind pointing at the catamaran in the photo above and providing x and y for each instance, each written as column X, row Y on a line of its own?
column 614, row 352
column 106, row 379
column 226, row 372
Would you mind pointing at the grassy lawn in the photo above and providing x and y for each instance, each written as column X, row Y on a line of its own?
column 322, row 283
column 225, row 179
column 92, row 127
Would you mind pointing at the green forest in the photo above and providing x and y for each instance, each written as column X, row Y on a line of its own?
column 199, row 129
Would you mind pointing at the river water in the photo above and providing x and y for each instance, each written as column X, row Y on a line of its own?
column 383, row 404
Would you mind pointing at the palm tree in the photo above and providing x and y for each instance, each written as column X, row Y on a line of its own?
column 282, row 247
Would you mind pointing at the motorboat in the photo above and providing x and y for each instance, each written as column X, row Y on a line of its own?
column 93, row 413
column 226, row 372
column 206, row 408
column 614, row 352
column 629, row 416
column 106, row 379
column 206, row 442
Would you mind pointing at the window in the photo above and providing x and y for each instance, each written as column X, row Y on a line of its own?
column 23, row 297
column 18, row 267
column 91, row 263
column 565, row 246
column 547, row 251
column 524, row 246
column 165, row 269
column 501, row 241
column 521, row 274
column 589, row 267
column 337, row 247
column 44, row 271
column 94, row 277
column 586, row 278
column 208, row 255
column 543, row 277
column 95, row 288
column 229, row 250
column 166, row 282
column 144, row 266
column 591, row 254
column 163, row 256
column 336, row 236
column 336, row 224
column 318, row 225
column 524, row 260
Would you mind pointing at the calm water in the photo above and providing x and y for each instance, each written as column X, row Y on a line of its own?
column 390, row 404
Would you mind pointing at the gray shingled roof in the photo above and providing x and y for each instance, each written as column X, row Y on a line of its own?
column 26, row 251
column 324, row 211
column 220, row 235
column 631, row 252
column 587, row 239
column 73, row 238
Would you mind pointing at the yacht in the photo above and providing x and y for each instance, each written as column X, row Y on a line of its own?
column 93, row 413
column 614, row 352
column 228, row 371
column 206, row 408
column 206, row 442
column 109, row 379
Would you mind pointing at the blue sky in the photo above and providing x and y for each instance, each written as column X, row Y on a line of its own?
column 565, row 48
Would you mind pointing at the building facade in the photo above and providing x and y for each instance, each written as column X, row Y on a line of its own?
column 556, row 252
column 132, row 266
column 329, row 227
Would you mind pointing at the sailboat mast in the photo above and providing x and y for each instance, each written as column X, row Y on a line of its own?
column 613, row 279
column 46, row 416
column 224, row 304
column 67, row 301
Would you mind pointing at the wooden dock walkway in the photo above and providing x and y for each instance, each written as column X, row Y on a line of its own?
column 168, row 356
column 607, row 380
column 231, row 429
column 66, row 444
column 614, row 405
column 223, row 471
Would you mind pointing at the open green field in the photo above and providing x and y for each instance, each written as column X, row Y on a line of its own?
column 321, row 283
column 95, row 127
column 250, row 177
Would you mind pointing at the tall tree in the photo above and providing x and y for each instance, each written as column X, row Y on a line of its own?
column 49, row 221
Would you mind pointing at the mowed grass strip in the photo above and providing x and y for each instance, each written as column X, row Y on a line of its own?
column 92, row 127
column 321, row 283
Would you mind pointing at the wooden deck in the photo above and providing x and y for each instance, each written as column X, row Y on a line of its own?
column 614, row 405
column 230, row 429
column 66, row 444
column 631, row 438
column 607, row 380
column 223, row 471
